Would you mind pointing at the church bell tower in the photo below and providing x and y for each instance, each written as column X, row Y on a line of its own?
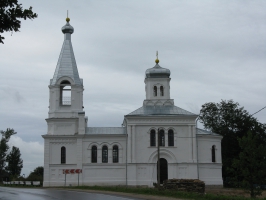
column 157, row 86
column 66, row 115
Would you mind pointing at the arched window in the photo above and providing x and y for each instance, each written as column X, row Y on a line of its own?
column 213, row 153
column 105, row 154
column 65, row 93
column 170, row 138
column 152, row 138
column 161, row 91
column 63, row 155
column 155, row 91
column 162, row 138
column 94, row 154
column 115, row 154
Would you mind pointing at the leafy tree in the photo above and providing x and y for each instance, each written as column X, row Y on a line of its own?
column 36, row 175
column 231, row 121
column 37, row 171
column 15, row 163
column 10, row 14
column 4, row 147
column 250, row 167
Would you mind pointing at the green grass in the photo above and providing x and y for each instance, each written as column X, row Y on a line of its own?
column 166, row 193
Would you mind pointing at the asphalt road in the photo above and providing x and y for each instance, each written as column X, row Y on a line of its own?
column 7, row 193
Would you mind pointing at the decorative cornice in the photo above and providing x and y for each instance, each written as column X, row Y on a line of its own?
column 161, row 121
column 56, row 137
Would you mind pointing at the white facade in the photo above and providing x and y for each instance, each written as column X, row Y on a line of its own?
column 125, row 155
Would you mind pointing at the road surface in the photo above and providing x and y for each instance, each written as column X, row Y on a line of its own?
column 8, row 193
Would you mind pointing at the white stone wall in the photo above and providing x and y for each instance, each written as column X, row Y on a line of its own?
column 56, row 109
column 142, row 158
column 151, row 82
column 210, row 172
column 55, row 151
column 63, row 126
column 141, row 168
column 137, row 159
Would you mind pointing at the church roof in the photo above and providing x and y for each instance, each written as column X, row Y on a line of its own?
column 66, row 65
column 205, row 132
column 105, row 130
column 157, row 72
column 160, row 110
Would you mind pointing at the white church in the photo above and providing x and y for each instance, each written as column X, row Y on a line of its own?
column 125, row 155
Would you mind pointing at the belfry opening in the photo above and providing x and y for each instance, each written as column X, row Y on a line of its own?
column 65, row 93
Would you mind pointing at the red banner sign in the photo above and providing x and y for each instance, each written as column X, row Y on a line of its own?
column 72, row 171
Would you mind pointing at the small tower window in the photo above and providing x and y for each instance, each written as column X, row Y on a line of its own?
column 94, row 154
column 115, row 154
column 155, row 91
column 63, row 155
column 65, row 90
column 161, row 91
column 213, row 154
column 162, row 138
column 152, row 138
column 105, row 154
column 170, row 138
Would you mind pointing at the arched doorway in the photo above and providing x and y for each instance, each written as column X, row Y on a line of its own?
column 163, row 170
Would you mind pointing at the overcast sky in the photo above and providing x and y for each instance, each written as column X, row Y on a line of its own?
column 214, row 49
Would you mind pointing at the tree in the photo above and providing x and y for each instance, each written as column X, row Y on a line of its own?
column 36, row 175
column 250, row 167
column 10, row 13
column 232, row 122
column 37, row 171
column 15, row 163
column 4, row 147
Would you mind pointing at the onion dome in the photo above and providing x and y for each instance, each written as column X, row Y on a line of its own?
column 67, row 28
column 157, row 71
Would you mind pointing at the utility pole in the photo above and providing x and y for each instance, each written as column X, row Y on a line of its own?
column 158, row 162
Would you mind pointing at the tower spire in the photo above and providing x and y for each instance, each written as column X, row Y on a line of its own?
column 157, row 60
column 67, row 19
column 66, row 65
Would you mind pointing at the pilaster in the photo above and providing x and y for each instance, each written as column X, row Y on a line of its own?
column 194, row 144
column 46, row 171
column 129, row 144
column 134, row 144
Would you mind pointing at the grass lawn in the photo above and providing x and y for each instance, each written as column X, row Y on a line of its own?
column 156, row 192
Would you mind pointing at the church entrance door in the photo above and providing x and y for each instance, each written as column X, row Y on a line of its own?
column 163, row 170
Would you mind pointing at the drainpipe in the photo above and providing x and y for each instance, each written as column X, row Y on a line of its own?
column 197, row 146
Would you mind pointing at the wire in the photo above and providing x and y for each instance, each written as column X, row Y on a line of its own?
column 258, row 111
